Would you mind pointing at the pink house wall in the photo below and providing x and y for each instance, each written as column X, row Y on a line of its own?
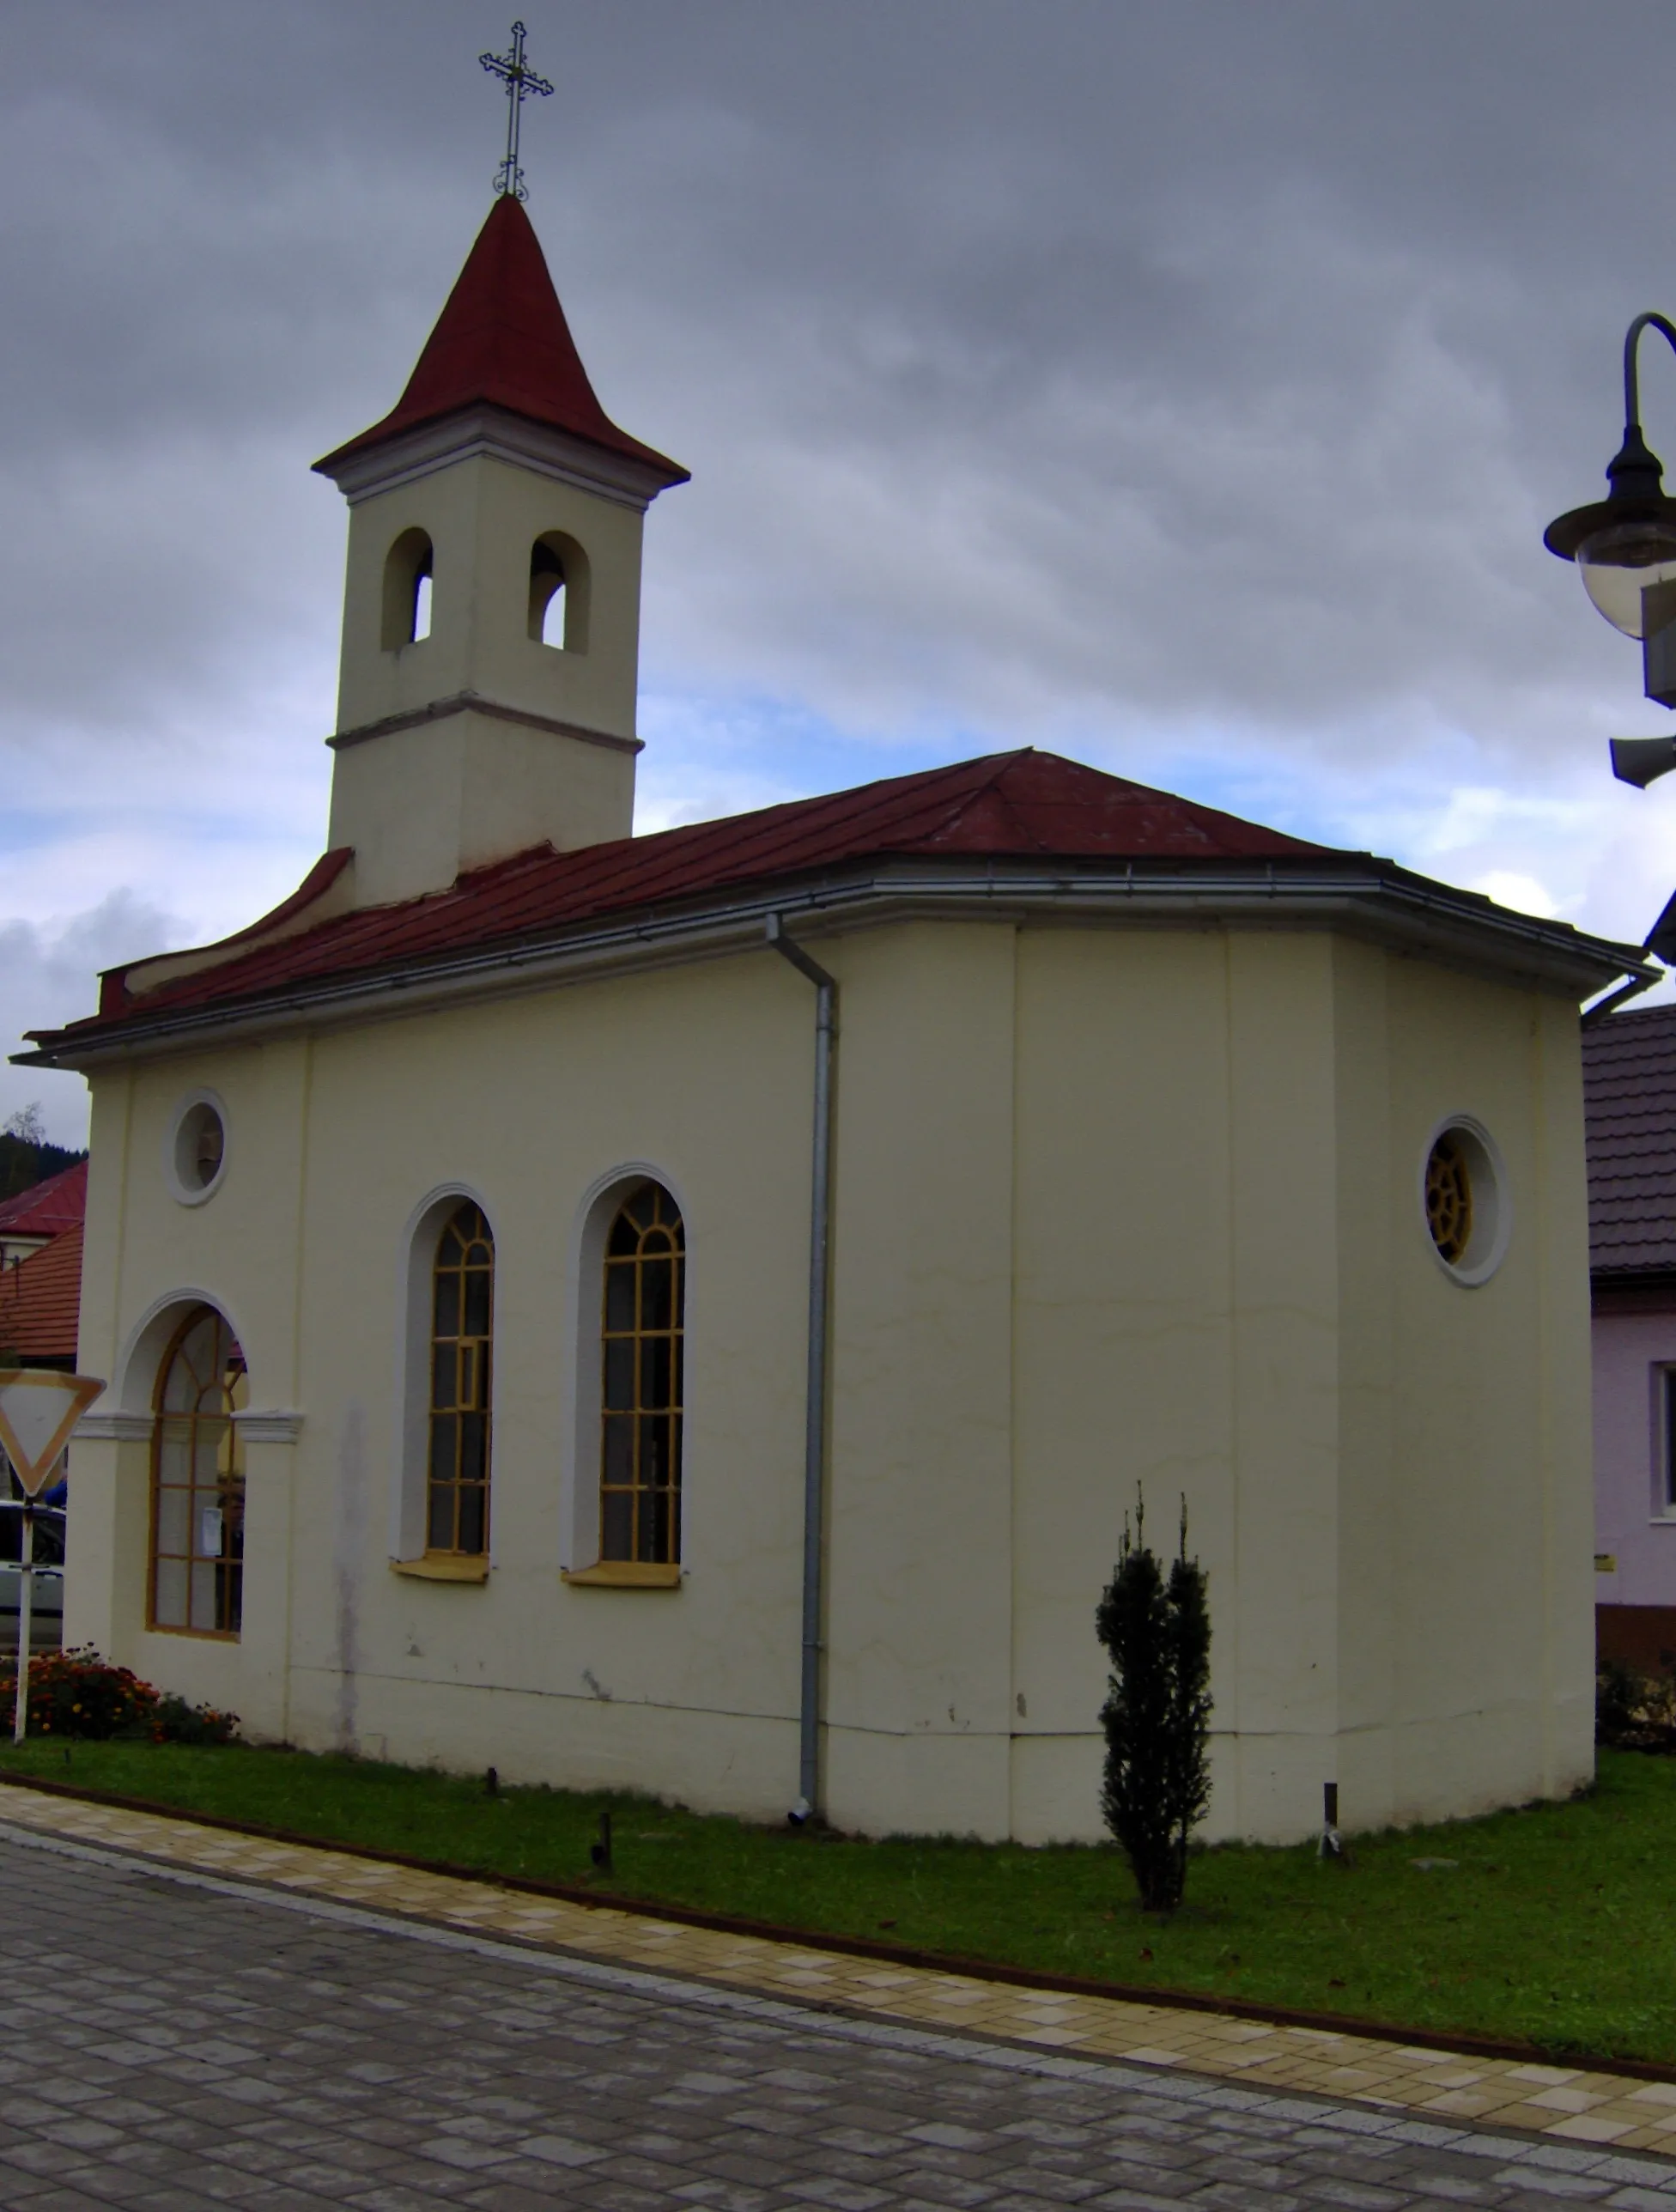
column 1630, row 1519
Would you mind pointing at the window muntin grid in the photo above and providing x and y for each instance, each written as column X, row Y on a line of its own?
column 462, row 1329
column 1449, row 1198
column 197, row 1564
column 642, row 1335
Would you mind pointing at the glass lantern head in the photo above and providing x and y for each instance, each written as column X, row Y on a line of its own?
column 1618, row 561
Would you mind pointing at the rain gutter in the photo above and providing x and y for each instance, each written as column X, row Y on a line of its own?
column 808, row 1805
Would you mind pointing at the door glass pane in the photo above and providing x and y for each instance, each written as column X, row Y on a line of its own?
column 440, row 1525
column 442, row 1448
column 659, row 1532
column 657, row 1293
column 170, row 1609
column 620, row 1449
column 174, row 1452
column 620, row 1375
column 473, row 1517
column 616, row 1525
column 619, row 1297
column 445, row 1378
column 657, row 1362
column 204, row 1596
column 473, row 1447
column 173, row 1519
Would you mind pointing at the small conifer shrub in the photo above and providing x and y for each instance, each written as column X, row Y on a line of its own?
column 1156, row 1628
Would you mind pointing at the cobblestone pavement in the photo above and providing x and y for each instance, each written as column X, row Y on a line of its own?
column 176, row 2040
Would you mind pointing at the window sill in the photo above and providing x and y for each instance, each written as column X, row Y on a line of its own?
column 442, row 1567
column 625, row 1574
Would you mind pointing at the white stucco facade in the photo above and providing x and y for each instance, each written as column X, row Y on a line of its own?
column 1133, row 1108
column 1113, row 1206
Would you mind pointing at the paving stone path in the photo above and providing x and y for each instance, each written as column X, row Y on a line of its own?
column 173, row 2040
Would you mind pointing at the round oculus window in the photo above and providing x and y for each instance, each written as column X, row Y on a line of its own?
column 1463, row 1196
column 196, row 1152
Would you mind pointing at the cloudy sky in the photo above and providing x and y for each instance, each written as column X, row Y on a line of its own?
column 1182, row 384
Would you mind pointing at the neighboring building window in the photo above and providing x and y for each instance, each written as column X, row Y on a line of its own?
column 462, row 1330
column 645, row 1290
column 197, row 1481
column 1666, row 1480
column 1449, row 1198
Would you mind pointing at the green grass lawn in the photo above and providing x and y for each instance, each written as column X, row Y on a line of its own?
column 1556, row 1925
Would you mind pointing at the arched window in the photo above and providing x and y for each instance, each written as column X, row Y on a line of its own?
column 640, row 1465
column 559, row 592
column 462, row 1330
column 407, row 590
column 197, row 1481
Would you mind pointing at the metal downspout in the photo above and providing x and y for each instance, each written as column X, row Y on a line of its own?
column 815, row 1422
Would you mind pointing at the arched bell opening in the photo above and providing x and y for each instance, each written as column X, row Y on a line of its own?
column 559, row 592
column 407, row 590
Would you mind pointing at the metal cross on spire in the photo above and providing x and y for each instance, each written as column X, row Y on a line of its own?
column 521, row 84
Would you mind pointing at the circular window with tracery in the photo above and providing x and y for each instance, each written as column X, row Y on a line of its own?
column 1463, row 1196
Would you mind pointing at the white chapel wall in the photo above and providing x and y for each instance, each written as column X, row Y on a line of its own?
column 1113, row 1206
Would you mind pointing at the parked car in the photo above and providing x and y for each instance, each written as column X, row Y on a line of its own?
column 47, row 1611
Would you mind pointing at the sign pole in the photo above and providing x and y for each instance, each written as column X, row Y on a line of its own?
column 26, row 1595
column 39, row 1410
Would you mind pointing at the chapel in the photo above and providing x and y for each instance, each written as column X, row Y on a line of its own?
column 691, row 1312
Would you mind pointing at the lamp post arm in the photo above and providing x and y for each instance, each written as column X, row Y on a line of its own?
column 1631, row 341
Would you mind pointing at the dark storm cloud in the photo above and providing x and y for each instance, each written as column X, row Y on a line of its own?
column 1047, row 370
column 1035, row 362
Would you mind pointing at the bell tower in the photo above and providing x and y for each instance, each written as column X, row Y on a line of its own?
column 491, row 614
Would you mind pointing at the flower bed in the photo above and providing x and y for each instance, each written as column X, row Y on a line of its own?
column 78, row 1694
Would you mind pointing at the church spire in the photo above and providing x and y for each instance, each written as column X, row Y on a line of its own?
column 491, row 617
column 502, row 340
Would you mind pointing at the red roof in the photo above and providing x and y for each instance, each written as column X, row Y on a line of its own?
column 502, row 340
column 39, row 1300
column 48, row 1209
column 1013, row 805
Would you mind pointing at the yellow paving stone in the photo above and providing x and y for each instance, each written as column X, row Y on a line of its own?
column 1591, row 2106
column 1591, row 2127
column 1566, row 2100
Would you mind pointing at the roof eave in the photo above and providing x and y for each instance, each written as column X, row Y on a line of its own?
column 1375, row 900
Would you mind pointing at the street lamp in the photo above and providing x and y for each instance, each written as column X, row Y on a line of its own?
column 1625, row 546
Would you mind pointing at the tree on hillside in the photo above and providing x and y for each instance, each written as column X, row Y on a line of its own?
column 26, row 1158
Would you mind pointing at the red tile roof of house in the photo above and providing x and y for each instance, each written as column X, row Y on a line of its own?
column 1023, row 805
column 40, row 1299
column 48, row 1209
column 501, row 339
column 1629, row 1094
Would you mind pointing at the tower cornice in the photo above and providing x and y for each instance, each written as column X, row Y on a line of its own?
column 362, row 473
